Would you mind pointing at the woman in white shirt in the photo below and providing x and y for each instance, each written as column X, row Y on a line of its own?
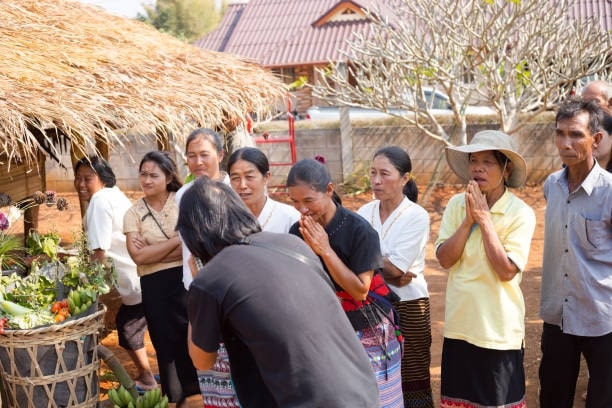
column 249, row 173
column 204, row 151
column 403, row 229
column 103, row 222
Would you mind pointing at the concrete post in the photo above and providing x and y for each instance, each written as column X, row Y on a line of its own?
column 346, row 138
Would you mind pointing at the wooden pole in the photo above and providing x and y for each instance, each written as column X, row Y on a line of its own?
column 77, row 153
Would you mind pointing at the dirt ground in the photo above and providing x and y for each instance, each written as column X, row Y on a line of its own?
column 69, row 222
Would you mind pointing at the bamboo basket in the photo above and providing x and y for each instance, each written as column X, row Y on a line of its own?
column 52, row 366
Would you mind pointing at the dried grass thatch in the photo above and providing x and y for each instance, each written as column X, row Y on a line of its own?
column 72, row 70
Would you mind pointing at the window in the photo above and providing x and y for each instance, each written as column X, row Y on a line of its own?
column 287, row 75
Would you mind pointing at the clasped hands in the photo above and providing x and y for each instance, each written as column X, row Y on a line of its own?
column 476, row 207
column 314, row 235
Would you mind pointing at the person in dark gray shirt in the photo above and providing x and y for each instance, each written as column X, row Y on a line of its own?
column 266, row 297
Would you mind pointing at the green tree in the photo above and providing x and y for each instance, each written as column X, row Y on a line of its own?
column 184, row 19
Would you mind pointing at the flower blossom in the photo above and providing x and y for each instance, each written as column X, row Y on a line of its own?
column 4, row 222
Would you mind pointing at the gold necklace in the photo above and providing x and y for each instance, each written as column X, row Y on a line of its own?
column 385, row 232
column 263, row 225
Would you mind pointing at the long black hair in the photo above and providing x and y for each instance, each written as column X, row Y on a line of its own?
column 251, row 155
column 211, row 217
column 166, row 164
column 311, row 173
column 100, row 167
column 207, row 134
column 400, row 159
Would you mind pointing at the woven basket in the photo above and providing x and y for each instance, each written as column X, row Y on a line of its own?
column 53, row 366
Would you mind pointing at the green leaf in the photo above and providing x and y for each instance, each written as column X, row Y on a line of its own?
column 10, row 251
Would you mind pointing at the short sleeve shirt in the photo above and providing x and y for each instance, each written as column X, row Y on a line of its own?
column 282, row 325
column 277, row 217
column 142, row 220
column 403, row 240
column 104, row 223
column 187, row 278
column 480, row 308
column 354, row 241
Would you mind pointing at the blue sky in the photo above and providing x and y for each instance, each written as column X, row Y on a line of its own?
column 125, row 8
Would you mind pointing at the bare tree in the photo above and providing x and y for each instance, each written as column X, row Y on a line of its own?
column 517, row 56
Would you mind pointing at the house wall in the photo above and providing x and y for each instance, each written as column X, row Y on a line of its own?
column 302, row 98
column 535, row 144
column 124, row 163
column 20, row 179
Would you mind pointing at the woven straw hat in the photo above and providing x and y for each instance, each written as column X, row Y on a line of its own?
column 457, row 156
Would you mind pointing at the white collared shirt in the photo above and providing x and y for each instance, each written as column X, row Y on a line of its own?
column 403, row 240
column 187, row 277
column 277, row 217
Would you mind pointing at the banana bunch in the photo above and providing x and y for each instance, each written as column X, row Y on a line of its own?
column 122, row 398
column 79, row 300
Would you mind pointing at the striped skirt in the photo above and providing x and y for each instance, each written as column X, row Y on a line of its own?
column 415, row 324
column 475, row 377
column 216, row 384
column 385, row 353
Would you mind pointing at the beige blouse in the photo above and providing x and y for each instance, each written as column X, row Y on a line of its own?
column 138, row 219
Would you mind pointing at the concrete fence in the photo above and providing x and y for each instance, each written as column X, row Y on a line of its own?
column 535, row 143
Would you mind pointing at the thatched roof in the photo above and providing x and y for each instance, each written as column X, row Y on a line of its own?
column 73, row 70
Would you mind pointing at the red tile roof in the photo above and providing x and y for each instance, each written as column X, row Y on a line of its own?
column 599, row 9
column 279, row 33
column 282, row 33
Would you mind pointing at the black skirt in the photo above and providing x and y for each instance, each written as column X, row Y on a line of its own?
column 478, row 377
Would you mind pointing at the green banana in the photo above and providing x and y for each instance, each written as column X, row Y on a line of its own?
column 71, row 306
column 114, row 397
column 157, row 394
column 76, row 298
column 110, row 395
column 125, row 395
column 148, row 399
column 164, row 402
column 143, row 398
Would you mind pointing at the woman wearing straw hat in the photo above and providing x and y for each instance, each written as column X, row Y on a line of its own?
column 484, row 241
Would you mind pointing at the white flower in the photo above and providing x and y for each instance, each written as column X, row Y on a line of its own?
column 13, row 214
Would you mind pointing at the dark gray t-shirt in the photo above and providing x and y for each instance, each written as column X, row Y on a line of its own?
column 286, row 334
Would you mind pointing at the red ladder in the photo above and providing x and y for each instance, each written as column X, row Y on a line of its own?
column 289, row 138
